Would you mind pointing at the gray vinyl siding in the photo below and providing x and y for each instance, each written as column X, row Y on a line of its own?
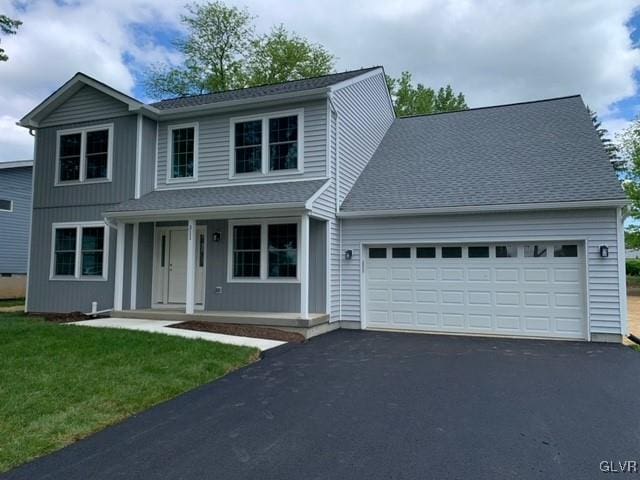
column 121, row 188
column 214, row 146
column 148, row 157
column 65, row 295
column 596, row 226
column 317, row 266
column 365, row 115
column 86, row 104
column 250, row 297
column 15, row 185
column 145, row 265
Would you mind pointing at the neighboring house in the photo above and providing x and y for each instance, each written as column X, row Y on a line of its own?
column 15, row 217
column 632, row 253
column 308, row 204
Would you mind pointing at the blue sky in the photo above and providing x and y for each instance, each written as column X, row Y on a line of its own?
column 493, row 51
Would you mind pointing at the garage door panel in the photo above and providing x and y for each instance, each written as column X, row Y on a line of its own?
column 512, row 295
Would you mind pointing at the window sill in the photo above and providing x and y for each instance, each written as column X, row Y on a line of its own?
column 263, row 280
column 182, row 180
column 82, row 182
column 76, row 279
column 270, row 174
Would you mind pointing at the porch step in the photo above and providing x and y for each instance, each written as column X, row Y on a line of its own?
column 264, row 319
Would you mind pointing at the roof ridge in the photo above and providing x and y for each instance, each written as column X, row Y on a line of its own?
column 527, row 102
column 364, row 69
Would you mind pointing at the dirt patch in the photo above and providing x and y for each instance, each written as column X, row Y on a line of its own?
column 62, row 317
column 241, row 330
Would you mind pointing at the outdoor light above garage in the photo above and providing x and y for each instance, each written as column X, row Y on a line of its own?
column 604, row 251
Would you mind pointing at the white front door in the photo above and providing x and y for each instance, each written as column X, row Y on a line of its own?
column 170, row 266
column 177, row 266
column 528, row 290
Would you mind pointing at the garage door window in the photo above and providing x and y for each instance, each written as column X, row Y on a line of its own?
column 404, row 252
column 426, row 252
column 535, row 251
column 451, row 252
column 377, row 253
column 478, row 252
column 565, row 250
column 506, row 251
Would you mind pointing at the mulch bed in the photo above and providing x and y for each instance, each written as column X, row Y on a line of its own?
column 241, row 330
column 62, row 317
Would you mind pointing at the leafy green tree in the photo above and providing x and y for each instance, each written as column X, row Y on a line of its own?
column 218, row 41
column 420, row 100
column 221, row 51
column 609, row 147
column 8, row 26
column 281, row 56
column 629, row 149
column 632, row 237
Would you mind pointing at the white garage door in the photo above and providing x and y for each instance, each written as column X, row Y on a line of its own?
column 532, row 290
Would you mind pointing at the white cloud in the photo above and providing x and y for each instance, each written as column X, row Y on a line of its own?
column 493, row 51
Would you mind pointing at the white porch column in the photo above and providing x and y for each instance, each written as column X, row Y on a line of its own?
column 304, row 266
column 119, row 274
column 134, row 266
column 191, row 267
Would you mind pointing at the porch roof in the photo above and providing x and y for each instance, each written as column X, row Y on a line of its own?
column 294, row 194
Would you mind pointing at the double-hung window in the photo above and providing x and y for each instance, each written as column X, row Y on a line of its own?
column 183, row 153
column 84, row 155
column 264, row 251
column 79, row 251
column 267, row 144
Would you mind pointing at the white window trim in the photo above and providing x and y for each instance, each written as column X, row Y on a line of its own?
column 78, row 267
column 196, row 141
column 265, row 171
column 83, row 160
column 264, row 251
column 10, row 209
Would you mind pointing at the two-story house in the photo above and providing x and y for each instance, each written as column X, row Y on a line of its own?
column 308, row 205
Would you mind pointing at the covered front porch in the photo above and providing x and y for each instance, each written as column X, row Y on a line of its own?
column 264, row 268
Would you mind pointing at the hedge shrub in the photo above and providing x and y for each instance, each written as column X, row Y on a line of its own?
column 633, row 266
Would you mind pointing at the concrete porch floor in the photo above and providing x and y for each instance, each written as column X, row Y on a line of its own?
column 316, row 324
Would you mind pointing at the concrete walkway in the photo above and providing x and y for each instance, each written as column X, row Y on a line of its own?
column 159, row 326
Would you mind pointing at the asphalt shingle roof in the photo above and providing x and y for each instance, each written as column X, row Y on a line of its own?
column 236, row 195
column 260, row 91
column 536, row 152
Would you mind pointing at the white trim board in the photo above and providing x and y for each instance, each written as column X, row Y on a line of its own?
column 265, row 170
column 83, row 155
column 77, row 276
column 264, row 250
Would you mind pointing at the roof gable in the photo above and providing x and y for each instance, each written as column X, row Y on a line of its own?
column 76, row 85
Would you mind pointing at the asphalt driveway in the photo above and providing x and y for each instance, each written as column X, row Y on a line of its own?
column 382, row 405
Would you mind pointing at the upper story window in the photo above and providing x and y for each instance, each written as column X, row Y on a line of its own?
column 84, row 155
column 183, row 153
column 267, row 144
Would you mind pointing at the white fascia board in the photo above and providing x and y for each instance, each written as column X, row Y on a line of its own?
column 483, row 208
column 309, row 203
column 68, row 89
column 356, row 79
column 16, row 164
column 276, row 208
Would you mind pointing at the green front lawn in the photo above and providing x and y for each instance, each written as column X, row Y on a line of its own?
column 59, row 383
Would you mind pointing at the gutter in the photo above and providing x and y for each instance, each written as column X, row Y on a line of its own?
column 200, row 210
column 514, row 207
